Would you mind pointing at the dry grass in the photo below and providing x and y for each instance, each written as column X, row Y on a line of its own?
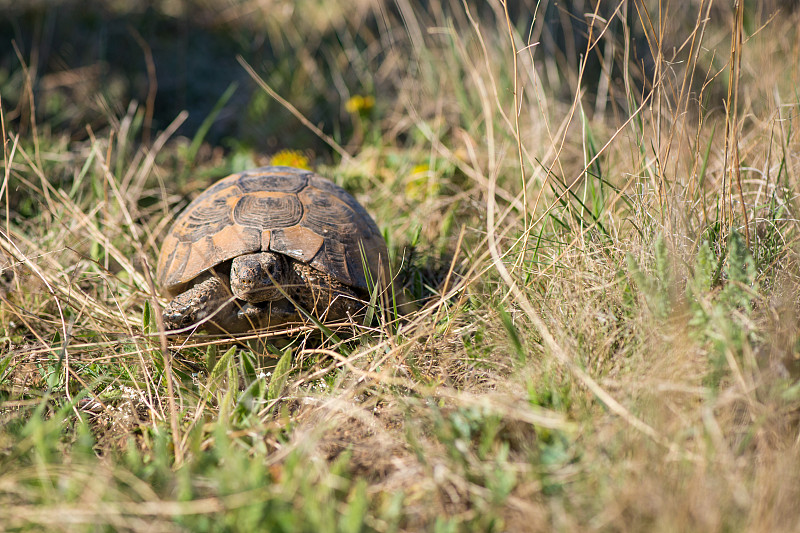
column 603, row 256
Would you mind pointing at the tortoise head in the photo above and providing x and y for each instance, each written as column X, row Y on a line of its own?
column 256, row 278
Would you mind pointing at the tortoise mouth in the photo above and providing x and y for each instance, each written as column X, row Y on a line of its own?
column 261, row 295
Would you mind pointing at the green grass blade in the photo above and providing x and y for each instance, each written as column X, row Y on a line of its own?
column 204, row 128
column 280, row 375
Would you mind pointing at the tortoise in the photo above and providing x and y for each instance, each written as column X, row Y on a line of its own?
column 257, row 245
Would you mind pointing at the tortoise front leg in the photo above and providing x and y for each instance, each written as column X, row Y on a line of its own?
column 325, row 297
column 197, row 303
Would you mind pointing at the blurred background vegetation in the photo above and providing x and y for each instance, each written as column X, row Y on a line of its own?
column 88, row 60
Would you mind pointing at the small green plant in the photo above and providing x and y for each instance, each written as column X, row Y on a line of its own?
column 657, row 287
column 721, row 317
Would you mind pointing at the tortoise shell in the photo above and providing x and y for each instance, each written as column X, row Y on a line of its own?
column 280, row 209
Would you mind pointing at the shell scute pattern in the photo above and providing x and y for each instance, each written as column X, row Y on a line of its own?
column 262, row 209
column 329, row 215
column 208, row 219
column 360, row 213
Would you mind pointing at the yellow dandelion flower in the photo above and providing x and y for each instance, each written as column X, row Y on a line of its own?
column 420, row 169
column 422, row 183
column 359, row 104
column 290, row 158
